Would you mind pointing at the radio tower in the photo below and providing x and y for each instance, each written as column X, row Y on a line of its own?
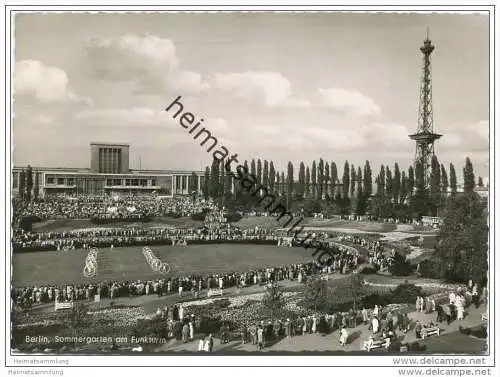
column 425, row 136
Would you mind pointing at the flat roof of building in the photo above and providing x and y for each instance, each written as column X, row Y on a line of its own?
column 89, row 171
column 112, row 144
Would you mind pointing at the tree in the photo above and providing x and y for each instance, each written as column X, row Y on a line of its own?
column 283, row 185
column 321, row 175
column 355, row 289
column 420, row 200
column 400, row 266
column 354, row 179
column 381, row 182
column 435, row 185
column 327, row 179
column 453, row 180
column 480, row 182
column 222, row 181
column 411, row 181
column 308, row 183
column 396, row 184
column 301, row 185
column 289, row 181
column 316, row 293
column 388, row 183
column 462, row 246
column 22, row 184
column 367, row 180
column 469, row 180
column 36, row 187
column 404, row 188
column 265, row 175
column 313, row 180
column 214, row 188
column 278, row 184
column 228, row 185
column 360, row 198
column 273, row 301
column 193, row 184
column 29, row 182
column 334, row 178
column 253, row 170
column 272, row 177
column 345, row 181
column 206, row 184
column 259, row 171
column 444, row 180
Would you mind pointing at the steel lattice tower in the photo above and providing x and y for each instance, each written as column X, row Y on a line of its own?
column 425, row 136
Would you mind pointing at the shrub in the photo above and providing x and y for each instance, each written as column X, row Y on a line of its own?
column 405, row 293
column 26, row 222
column 210, row 325
column 198, row 216
column 233, row 217
column 376, row 299
column 368, row 270
column 430, row 268
column 400, row 267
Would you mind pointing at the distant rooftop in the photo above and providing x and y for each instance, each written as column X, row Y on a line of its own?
column 115, row 144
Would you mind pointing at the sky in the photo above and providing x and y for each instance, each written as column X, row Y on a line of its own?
column 276, row 86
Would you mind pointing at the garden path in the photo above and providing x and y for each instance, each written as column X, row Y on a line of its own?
column 330, row 342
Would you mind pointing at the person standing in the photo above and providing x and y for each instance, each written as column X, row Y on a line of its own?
column 260, row 337
column 375, row 325
column 185, row 333
column 364, row 313
column 344, row 335
column 375, row 311
column 201, row 344
column 210, row 343
column 288, row 328
column 191, row 330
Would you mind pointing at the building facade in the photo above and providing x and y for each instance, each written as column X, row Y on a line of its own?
column 109, row 174
column 109, row 158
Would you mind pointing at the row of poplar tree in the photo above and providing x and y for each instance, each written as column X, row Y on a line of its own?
column 391, row 193
column 29, row 184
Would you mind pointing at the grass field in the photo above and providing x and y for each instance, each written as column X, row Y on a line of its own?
column 128, row 263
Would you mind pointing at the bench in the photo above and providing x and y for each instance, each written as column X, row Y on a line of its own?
column 371, row 344
column 215, row 292
column 427, row 331
column 63, row 305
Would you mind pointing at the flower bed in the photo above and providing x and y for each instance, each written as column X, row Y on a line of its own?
column 124, row 317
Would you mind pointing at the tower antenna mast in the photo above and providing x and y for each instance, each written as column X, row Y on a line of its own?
column 425, row 135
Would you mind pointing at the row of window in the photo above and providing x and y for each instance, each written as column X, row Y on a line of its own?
column 181, row 181
column 130, row 182
column 60, row 181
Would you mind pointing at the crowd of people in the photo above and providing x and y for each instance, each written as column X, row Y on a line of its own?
column 386, row 326
column 169, row 285
column 90, row 206
column 105, row 237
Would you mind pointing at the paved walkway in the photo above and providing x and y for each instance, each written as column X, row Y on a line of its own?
column 330, row 342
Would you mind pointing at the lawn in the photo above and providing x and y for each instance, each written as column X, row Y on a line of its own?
column 128, row 263
column 454, row 343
